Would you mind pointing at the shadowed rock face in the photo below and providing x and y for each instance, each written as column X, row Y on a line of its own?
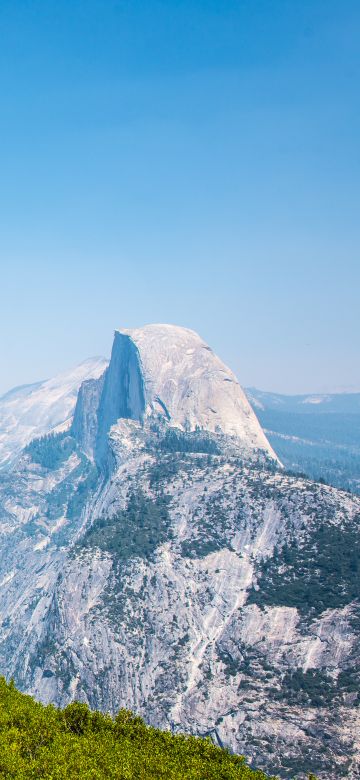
column 118, row 394
column 123, row 395
column 85, row 424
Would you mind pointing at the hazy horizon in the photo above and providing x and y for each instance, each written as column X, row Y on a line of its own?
column 195, row 163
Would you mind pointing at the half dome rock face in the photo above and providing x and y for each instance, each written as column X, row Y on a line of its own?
column 123, row 393
column 171, row 371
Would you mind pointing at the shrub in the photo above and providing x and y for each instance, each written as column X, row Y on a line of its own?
column 77, row 744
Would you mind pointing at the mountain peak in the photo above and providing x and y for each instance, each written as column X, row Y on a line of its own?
column 184, row 381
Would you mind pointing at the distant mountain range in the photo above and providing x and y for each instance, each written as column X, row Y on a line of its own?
column 318, row 434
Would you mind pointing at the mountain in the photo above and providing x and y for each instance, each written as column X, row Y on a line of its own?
column 156, row 555
column 314, row 404
column 33, row 410
column 316, row 434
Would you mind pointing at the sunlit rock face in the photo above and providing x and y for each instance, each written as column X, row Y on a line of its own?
column 189, row 384
column 156, row 556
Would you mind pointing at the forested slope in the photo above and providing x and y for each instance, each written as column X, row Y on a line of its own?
column 46, row 742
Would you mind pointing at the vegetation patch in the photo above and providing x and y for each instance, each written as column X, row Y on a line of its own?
column 135, row 532
column 315, row 688
column 196, row 441
column 213, row 527
column 320, row 572
column 78, row 744
column 163, row 471
column 52, row 450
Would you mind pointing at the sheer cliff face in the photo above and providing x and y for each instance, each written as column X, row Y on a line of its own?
column 123, row 395
column 194, row 581
column 85, row 423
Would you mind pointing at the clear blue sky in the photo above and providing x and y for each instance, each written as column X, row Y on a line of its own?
column 188, row 162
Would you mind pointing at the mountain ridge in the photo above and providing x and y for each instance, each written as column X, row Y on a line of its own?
column 315, row 434
column 310, row 403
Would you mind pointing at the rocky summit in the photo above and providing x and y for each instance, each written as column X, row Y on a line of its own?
column 156, row 555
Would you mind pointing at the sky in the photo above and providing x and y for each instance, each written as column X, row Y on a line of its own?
column 186, row 162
